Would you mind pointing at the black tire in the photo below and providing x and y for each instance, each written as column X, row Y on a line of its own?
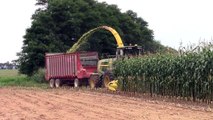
column 93, row 81
column 76, row 83
column 57, row 83
column 52, row 83
column 107, row 77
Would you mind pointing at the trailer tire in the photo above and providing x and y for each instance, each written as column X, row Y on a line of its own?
column 52, row 83
column 57, row 83
column 76, row 83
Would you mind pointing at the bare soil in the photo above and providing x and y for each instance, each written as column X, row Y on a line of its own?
column 71, row 104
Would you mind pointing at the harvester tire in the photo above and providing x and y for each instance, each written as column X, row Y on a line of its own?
column 107, row 77
column 52, row 83
column 57, row 83
column 93, row 81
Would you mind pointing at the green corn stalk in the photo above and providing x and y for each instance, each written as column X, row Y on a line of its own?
column 187, row 76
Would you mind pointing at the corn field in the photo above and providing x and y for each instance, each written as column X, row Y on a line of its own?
column 187, row 76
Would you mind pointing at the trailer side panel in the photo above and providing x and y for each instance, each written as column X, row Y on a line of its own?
column 62, row 66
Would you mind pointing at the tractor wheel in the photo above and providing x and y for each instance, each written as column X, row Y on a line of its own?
column 52, row 83
column 107, row 78
column 93, row 81
column 57, row 83
column 76, row 83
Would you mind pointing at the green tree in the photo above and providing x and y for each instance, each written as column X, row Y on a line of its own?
column 58, row 24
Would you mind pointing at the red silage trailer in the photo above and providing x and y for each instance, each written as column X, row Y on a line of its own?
column 70, row 67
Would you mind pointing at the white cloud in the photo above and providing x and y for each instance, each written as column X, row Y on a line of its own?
column 15, row 18
column 173, row 21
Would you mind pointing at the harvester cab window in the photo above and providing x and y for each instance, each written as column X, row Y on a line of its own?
column 128, row 51
column 131, row 51
column 119, row 53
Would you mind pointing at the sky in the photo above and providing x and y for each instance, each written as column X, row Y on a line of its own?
column 173, row 21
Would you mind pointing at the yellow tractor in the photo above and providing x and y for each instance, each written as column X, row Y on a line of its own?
column 104, row 76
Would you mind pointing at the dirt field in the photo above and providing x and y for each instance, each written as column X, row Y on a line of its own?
column 69, row 104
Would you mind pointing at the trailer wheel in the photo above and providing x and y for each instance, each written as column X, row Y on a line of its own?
column 57, row 83
column 76, row 82
column 93, row 81
column 52, row 83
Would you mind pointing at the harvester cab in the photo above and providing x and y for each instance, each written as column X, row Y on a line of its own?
column 128, row 51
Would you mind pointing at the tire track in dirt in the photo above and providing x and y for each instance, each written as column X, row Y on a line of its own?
column 27, row 108
column 63, row 104
column 13, row 107
column 158, row 107
column 83, row 105
column 106, row 103
column 132, row 110
column 51, row 106
column 30, row 107
column 155, row 107
column 97, row 108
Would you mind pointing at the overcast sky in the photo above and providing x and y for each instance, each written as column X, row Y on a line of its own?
column 172, row 21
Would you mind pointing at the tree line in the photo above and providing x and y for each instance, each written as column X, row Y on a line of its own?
column 58, row 24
